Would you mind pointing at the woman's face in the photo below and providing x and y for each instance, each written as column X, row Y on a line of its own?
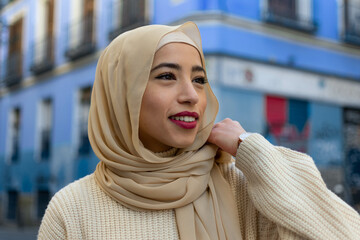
column 174, row 101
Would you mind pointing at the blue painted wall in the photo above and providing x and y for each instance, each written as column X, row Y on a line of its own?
column 244, row 106
column 220, row 38
column 326, row 138
column 180, row 9
column 326, row 18
column 163, row 8
column 243, row 8
column 62, row 89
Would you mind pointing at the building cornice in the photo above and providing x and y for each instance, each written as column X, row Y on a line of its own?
column 285, row 34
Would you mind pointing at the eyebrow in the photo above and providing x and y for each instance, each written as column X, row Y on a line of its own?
column 198, row 69
column 176, row 66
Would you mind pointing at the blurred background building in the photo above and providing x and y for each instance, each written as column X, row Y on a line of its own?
column 288, row 69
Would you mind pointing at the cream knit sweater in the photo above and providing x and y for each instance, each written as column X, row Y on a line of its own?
column 279, row 195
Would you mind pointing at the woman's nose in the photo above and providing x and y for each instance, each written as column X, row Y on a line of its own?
column 188, row 93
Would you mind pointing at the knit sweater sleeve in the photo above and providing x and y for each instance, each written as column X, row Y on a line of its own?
column 52, row 225
column 287, row 190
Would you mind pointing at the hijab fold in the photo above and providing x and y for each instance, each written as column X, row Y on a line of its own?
column 189, row 181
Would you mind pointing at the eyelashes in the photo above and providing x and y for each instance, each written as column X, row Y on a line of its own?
column 166, row 76
column 171, row 76
column 201, row 80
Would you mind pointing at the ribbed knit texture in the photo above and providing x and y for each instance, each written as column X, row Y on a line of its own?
column 279, row 195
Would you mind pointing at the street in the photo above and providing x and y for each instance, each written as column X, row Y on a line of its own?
column 13, row 233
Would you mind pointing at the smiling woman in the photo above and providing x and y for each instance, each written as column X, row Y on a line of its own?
column 166, row 170
column 174, row 99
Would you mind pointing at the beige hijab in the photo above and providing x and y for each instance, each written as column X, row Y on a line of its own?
column 189, row 182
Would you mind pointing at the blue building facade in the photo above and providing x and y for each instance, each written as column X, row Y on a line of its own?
column 288, row 69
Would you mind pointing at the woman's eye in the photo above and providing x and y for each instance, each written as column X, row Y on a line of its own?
column 166, row 76
column 200, row 80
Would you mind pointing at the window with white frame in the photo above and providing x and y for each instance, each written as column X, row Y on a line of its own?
column 14, row 136
column 127, row 14
column 13, row 64
column 351, row 11
column 84, row 107
column 81, row 28
column 45, row 126
column 43, row 54
column 296, row 14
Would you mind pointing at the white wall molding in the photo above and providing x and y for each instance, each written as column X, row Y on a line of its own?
column 277, row 80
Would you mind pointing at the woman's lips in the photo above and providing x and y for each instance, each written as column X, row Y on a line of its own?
column 187, row 120
column 186, row 113
column 186, row 125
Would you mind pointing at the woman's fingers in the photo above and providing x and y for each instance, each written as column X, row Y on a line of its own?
column 225, row 135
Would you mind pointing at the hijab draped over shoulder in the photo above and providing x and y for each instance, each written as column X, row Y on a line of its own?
column 189, row 182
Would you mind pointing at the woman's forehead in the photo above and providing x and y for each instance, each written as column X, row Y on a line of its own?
column 177, row 52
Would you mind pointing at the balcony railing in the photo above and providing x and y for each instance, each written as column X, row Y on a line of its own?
column 352, row 24
column 286, row 14
column 81, row 38
column 43, row 55
column 11, row 70
column 127, row 15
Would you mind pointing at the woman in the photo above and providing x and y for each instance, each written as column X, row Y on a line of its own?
column 161, row 174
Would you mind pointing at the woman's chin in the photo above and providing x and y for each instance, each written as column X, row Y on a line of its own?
column 183, row 144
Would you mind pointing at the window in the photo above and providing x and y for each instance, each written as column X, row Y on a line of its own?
column 283, row 8
column 295, row 14
column 81, row 30
column 84, row 144
column 352, row 21
column 12, row 204
column 126, row 15
column 14, row 135
column 13, row 73
column 45, row 129
column 43, row 198
column 43, row 48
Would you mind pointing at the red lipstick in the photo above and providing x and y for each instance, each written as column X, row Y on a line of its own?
column 183, row 123
column 186, row 113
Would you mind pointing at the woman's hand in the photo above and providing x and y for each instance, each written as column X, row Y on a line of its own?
column 225, row 135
